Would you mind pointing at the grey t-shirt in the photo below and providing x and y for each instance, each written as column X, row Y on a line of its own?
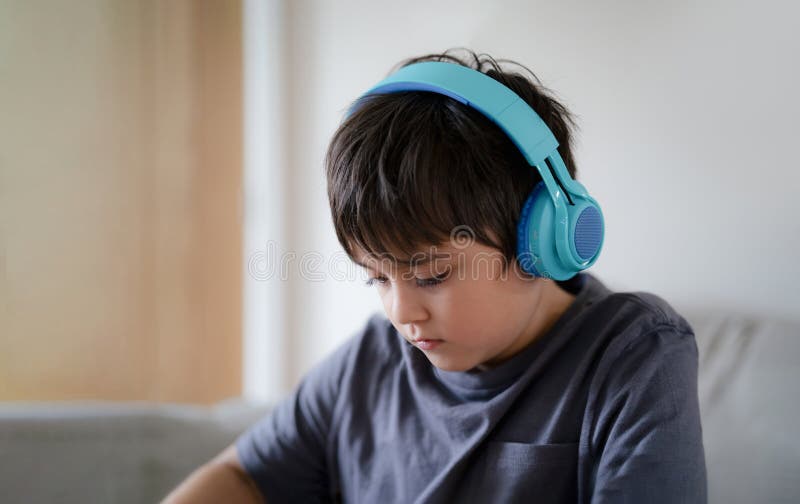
column 601, row 408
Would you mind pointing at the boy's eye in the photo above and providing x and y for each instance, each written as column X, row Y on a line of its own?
column 379, row 280
column 421, row 282
column 433, row 281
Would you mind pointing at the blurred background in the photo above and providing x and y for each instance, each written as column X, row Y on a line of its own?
column 165, row 239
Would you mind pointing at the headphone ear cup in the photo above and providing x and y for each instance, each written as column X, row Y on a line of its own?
column 536, row 238
column 537, row 252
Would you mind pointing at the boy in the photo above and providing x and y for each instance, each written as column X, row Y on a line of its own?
column 501, row 373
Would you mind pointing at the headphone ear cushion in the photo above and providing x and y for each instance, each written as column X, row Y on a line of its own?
column 529, row 231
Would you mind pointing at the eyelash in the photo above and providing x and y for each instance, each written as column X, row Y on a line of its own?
column 426, row 283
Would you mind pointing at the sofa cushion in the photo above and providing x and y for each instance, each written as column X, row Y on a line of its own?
column 750, row 406
column 110, row 452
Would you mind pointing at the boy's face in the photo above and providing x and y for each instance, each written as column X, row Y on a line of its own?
column 460, row 308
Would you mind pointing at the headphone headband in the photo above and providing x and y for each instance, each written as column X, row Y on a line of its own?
column 481, row 92
column 495, row 101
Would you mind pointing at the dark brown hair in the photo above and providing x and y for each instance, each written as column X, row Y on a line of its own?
column 407, row 168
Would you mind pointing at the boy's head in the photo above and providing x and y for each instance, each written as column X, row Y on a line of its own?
column 408, row 171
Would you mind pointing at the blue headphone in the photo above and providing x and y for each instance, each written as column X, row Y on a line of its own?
column 561, row 228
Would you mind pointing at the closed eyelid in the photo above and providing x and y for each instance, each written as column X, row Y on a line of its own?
column 420, row 274
column 421, row 281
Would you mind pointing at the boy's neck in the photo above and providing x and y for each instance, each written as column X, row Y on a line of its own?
column 555, row 301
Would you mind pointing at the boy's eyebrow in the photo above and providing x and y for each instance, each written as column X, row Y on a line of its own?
column 415, row 260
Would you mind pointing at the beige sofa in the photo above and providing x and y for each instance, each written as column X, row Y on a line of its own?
column 135, row 453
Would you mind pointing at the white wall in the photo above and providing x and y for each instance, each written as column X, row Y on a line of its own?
column 688, row 129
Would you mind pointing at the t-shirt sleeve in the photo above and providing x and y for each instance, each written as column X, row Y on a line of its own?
column 285, row 452
column 647, row 436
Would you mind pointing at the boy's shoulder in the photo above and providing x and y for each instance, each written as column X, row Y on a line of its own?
column 638, row 330
column 641, row 308
column 650, row 310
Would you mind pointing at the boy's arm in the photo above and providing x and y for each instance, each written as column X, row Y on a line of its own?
column 285, row 451
column 223, row 479
column 647, row 435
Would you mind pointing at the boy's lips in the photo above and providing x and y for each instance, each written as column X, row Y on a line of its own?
column 427, row 344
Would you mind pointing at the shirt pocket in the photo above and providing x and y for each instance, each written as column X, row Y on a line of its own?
column 519, row 472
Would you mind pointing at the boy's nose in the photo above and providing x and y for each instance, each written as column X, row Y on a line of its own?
column 406, row 307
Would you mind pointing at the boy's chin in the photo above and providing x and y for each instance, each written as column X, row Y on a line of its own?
column 450, row 364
